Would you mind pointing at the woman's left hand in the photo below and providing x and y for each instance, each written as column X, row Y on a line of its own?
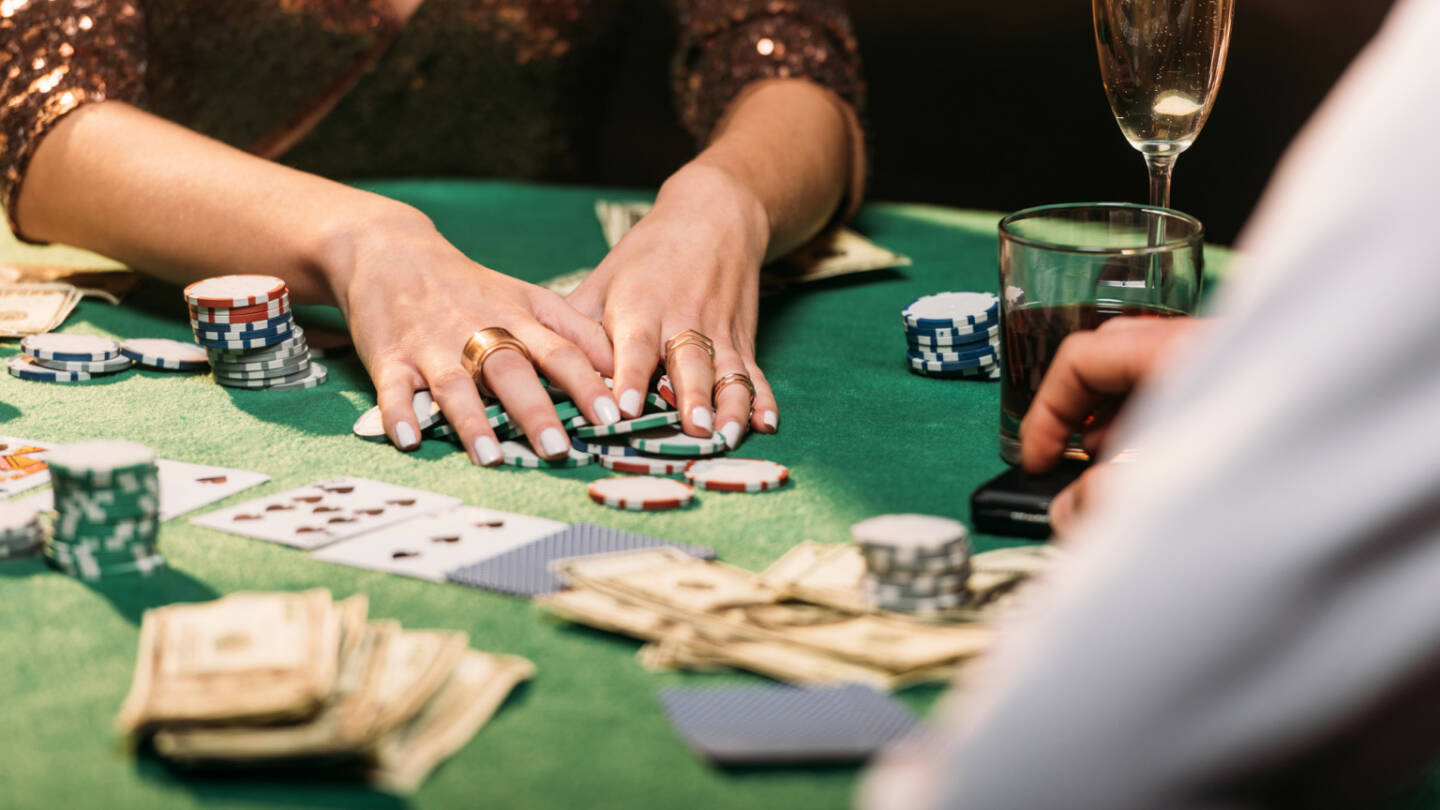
column 694, row 263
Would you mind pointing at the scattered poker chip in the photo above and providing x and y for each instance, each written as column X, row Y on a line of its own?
column 261, row 312
column 736, row 474
column 369, row 427
column 646, row 422
column 317, row 377
column 427, row 414
column 566, row 411
column 69, row 347
column 111, row 366
column 665, row 390
column 427, row 410
column 919, row 364
column 643, row 465
column 672, row 441
column 641, row 493
column 951, row 310
column 224, row 292
column 166, row 354
column 980, row 354
column 519, row 454
column 602, row 448
column 25, row 367
column 657, row 402
column 442, row 430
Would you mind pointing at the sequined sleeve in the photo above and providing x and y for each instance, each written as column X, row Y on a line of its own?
column 56, row 56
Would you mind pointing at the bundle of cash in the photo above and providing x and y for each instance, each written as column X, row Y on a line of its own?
column 700, row 614
column 267, row 678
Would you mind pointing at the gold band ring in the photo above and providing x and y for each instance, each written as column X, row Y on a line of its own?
column 732, row 379
column 481, row 345
column 689, row 337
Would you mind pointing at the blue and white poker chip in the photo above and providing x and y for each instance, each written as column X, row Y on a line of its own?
column 965, row 355
column 243, row 328
column 70, row 347
column 163, row 353
column 256, row 341
column 111, row 366
column 25, row 367
column 951, row 310
column 944, row 367
column 948, row 337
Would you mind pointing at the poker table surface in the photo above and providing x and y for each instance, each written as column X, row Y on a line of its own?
column 861, row 434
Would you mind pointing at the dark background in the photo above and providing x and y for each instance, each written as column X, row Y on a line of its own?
column 999, row 105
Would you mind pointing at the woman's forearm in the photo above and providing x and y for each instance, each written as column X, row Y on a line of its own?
column 788, row 142
column 152, row 194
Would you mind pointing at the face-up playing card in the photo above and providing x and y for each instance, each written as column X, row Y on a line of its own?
column 184, row 487
column 22, row 464
column 525, row 571
column 320, row 514
column 780, row 723
column 430, row 546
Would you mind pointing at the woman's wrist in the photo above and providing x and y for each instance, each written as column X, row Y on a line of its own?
column 349, row 232
column 722, row 203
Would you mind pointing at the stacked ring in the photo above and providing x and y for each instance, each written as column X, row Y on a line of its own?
column 689, row 337
column 733, row 379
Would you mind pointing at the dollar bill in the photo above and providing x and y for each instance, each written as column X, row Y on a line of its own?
column 30, row 309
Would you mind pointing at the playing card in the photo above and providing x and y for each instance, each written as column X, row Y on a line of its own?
column 779, row 723
column 184, row 487
column 322, row 513
column 525, row 571
column 431, row 546
column 22, row 464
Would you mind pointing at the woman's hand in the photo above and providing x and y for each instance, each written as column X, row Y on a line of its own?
column 694, row 263
column 412, row 301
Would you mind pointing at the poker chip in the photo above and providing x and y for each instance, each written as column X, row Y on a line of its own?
column 657, row 402
column 260, row 312
column 316, row 377
column 920, row 586
column 905, row 541
column 601, row 448
column 107, row 506
column 166, row 354
column 919, row 606
column 283, row 323
column 519, row 454
column 646, row 422
column 293, row 346
column 641, row 493
column 69, row 347
column 951, row 310
column 261, row 379
column 941, row 366
column 255, row 341
column 980, row 353
column 672, row 441
column 26, row 368
column 115, row 364
column 442, row 430
column 643, row 465
column 665, row 390
column 280, row 367
column 952, row 337
column 21, row 533
column 736, row 474
column 228, row 292
column 427, row 414
column 982, row 373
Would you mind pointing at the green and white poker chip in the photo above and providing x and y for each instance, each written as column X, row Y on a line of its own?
column 628, row 426
column 519, row 454
column 672, row 441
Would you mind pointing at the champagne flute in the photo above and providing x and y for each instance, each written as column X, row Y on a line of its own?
column 1161, row 62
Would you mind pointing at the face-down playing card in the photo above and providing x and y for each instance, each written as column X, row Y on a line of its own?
column 431, row 546
column 323, row 513
column 777, row 723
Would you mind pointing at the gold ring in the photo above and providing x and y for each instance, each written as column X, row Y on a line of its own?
column 689, row 337
column 480, row 346
column 732, row 379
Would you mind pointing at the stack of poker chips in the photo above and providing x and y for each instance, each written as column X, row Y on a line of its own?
column 20, row 531
column 57, row 357
column 107, row 510
column 916, row 564
column 245, row 324
column 954, row 334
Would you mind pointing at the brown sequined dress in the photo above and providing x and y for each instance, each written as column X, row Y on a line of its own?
column 347, row 88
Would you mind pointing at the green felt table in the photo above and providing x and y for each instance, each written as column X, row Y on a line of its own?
column 861, row 434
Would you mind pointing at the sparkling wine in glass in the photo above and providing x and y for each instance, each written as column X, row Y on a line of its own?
column 1161, row 62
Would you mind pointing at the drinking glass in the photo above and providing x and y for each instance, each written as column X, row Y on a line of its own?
column 1161, row 63
column 1064, row 268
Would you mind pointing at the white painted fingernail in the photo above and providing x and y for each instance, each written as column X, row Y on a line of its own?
column 553, row 442
column 701, row 417
column 486, row 450
column 405, row 436
column 771, row 420
column 606, row 409
column 630, row 402
column 731, row 432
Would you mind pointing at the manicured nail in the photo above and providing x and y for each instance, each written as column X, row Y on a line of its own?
column 487, row 451
column 553, row 442
column 731, row 432
column 771, row 420
column 701, row 417
column 630, row 403
column 405, row 436
column 606, row 409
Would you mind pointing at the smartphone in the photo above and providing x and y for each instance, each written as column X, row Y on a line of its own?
column 1017, row 504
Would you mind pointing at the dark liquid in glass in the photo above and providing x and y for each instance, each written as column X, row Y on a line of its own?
column 1032, row 334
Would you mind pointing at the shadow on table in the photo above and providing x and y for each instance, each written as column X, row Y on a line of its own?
column 310, row 783
column 8, row 412
column 129, row 596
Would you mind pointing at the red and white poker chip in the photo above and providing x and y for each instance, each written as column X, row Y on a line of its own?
column 643, row 465
column 259, row 312
column 225, row 292
column 665, row 389
column 641, row 493
column 736, row 474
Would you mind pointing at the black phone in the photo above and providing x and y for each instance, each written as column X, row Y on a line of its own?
column 1017, row 504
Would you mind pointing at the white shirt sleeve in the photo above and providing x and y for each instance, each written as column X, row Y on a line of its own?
column 1263, row 584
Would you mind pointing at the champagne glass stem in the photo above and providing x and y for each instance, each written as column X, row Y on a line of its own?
column 1160, row 166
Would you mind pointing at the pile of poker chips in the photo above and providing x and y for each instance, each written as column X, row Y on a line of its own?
column 954, row 335
column 61, row 357
column 916, row 564
column 107, row 510
column 249, row 334
column 21, row 533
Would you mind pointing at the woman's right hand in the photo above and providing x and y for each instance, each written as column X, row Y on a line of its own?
column 412, row 300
